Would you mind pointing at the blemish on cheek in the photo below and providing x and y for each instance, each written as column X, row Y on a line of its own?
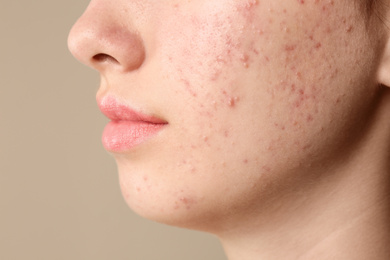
column 206, row 140
column 189, row 88
column 146, row 178
column 279, row 126
column 318, row 45
column 293, row 88
column 187, row 202
column 290, row 47
column 248, row 5
column 232, row 101
column 309, row 118
column 244, row 58
column 266, row 168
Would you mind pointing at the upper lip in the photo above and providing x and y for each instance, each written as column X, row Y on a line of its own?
column 116, row 111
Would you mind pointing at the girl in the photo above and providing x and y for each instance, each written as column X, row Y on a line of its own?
column 264, row 122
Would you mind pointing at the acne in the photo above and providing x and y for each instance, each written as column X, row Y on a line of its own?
column 184, row 201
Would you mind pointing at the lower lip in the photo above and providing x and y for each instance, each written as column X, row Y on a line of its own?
column 121, row 136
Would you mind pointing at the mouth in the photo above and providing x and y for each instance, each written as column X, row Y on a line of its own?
column 128, row 128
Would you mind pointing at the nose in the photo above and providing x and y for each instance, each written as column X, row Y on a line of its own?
column 103, row 40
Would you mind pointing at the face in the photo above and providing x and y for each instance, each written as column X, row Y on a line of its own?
column 259, row 97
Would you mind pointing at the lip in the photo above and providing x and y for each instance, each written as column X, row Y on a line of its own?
column 128, row 128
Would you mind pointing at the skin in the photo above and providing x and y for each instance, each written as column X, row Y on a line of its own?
column 277, row 122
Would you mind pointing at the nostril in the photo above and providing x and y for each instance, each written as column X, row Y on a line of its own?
column 101, row 58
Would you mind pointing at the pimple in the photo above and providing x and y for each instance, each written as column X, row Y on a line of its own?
column 244, row 58
column 266, row 168
column 193, row 169
column 146, row 178
column 290, row 47
column 305, row 147
column 226, row 133
column 318, row 45
column 187, row 202
column 189, row 88
column 293, row 88
column 232, row 101
column 279, row 126
column 349, row 29
column 246, row 9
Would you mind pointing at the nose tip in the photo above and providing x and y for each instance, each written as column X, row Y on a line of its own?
column 101, row 42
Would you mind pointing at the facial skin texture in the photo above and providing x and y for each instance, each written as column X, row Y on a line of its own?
column 268, row 103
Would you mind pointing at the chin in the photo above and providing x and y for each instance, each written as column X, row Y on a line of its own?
column 167, row 212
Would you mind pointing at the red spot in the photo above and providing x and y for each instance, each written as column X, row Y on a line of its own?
column 189, row 88
column 266, row 168
column 318, row 45
column 231, row 102
column 290, row 47
column 260, row 32
column 188, row 202
column 309, row 118
column 301, row 2
column 246, row 161
column 245, row 59
column 146, row 178
column 293, row 88
column 297, row 104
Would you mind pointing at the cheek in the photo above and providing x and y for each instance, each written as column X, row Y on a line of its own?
column 199, row 52
column 257, row 88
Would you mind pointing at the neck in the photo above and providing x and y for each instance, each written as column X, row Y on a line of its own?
column 343, row 216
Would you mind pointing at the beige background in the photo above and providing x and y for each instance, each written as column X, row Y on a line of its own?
column 59, row 196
